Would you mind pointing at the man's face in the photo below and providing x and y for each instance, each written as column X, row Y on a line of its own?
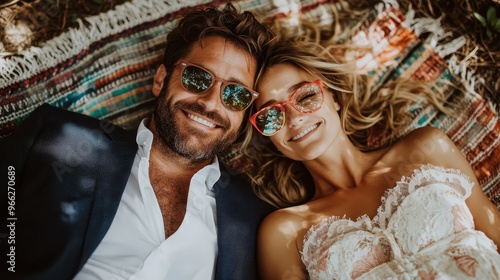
column 197, row 126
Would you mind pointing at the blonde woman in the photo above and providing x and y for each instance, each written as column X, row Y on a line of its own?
column 410, row 210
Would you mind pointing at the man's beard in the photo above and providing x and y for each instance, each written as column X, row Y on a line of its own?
column 169, row 131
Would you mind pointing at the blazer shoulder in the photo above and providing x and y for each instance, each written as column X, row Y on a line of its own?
column 53, row 116
column 235, row 189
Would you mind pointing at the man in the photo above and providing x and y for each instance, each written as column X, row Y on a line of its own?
column 95, row 202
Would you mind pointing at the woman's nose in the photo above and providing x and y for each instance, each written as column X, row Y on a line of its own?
column 293, row 117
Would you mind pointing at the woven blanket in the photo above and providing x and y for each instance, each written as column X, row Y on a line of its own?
column 104, row 69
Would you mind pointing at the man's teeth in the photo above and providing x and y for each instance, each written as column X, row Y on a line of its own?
column 303, row 133
column 200, row 120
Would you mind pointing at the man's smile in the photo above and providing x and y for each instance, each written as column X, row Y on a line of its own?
column 201, row 121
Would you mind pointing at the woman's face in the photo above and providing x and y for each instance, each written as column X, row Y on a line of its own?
column 304, row 136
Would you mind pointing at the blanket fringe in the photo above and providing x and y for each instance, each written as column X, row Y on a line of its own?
column 129, row 14
column 435, row 34
column 468, row 76
column 36, row 60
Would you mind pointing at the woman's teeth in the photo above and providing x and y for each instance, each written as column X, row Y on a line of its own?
column 303, row 133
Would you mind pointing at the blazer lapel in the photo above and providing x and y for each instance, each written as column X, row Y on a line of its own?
column 239, row 213
column 113, row 169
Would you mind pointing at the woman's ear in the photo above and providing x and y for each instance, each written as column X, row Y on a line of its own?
column 337, row 106
column 335, row 102
column 158, row 80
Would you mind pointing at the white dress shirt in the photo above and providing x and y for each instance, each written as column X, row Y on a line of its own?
column 135, row 246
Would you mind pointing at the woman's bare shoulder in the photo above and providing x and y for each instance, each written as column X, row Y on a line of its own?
column 423, row 137
column 425, row 142
column 290, row 216
column 279, row 243
column 428, row 145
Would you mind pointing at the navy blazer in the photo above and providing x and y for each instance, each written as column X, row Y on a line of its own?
column 70, row 171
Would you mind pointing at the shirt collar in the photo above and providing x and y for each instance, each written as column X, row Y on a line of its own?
column 144, row 139
column 211, row 173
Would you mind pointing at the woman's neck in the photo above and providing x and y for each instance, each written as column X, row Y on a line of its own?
column 341, row 166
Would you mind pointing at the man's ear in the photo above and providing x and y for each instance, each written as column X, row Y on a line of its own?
column 158, row 80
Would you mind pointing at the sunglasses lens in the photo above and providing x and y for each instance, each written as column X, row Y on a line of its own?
column 308, row 98
column 196, row 80
column 270, row 120
column 236, row 97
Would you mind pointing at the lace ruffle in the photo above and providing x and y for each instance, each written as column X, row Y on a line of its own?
column 392, row 198
column 333, row 236
column 424, row 176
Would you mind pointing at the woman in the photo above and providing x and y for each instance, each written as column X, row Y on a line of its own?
column 413, row 209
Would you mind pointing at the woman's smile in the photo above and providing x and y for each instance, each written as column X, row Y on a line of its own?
column 304, row 132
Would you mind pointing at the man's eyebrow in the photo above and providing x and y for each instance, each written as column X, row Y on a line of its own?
column 231, row 79
column 290, row 90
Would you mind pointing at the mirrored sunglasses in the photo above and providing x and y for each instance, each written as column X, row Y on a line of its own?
column 306, row 99
column 234, row 96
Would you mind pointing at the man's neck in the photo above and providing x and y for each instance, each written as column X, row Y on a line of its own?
column 170, row 176
column 165, row 159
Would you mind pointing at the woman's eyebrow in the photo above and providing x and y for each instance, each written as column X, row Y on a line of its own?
column 295, row 87
column 291, row 90
column 272, row 101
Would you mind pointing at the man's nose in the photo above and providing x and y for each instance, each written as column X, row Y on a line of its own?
column 210, row 99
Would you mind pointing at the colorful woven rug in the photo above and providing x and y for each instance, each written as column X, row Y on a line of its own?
column 398, row 51
column 104, row 69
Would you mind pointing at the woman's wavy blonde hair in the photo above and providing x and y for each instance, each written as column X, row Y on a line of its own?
column 283, row 182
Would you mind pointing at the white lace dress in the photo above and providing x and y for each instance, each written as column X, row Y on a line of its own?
column 422, row 230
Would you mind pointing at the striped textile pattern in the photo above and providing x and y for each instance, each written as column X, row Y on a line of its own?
column 474, row 126
column 105, row 68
